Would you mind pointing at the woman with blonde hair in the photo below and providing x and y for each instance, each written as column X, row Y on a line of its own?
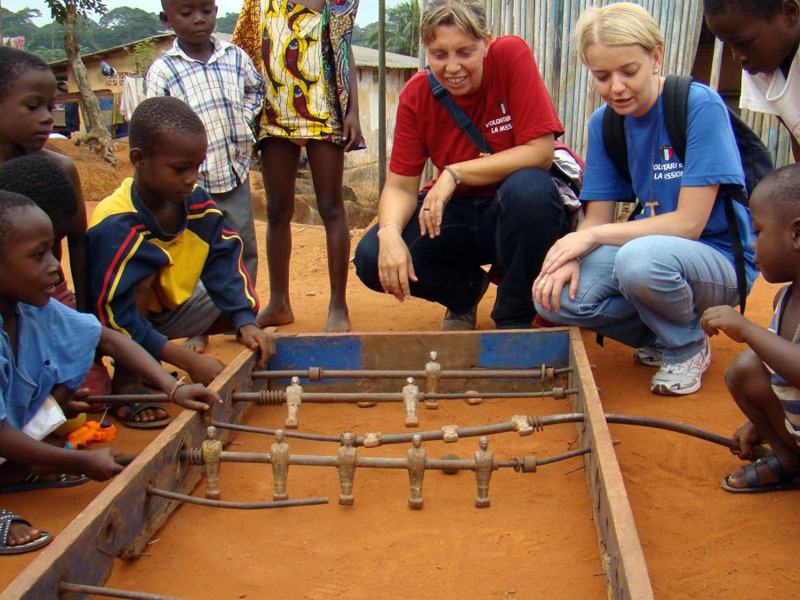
column 494, row 201
column 647, row 281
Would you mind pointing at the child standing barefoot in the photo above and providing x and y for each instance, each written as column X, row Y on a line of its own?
column 311, row 101
column 765, row 379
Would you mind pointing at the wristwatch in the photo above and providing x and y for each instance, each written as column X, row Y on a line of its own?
column 450, row 170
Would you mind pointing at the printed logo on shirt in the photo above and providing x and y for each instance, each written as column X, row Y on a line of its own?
column 500, row 124
column 670, row 168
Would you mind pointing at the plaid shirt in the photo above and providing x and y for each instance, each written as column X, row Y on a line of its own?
column 225, row 93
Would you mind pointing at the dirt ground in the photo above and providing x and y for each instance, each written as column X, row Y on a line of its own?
column 536, row 540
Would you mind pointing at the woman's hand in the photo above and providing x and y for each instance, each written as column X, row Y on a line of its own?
column 395, row 267
column 571, row 246
column 548, row 287
column 351, row 131
column 432, row 211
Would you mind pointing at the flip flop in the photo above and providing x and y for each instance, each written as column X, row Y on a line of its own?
column 33, row 482
column 7, row 519
column 786, row 481
column 126, row 412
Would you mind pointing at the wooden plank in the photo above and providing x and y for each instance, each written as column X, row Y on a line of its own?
column 122, row 518
column 620, row 549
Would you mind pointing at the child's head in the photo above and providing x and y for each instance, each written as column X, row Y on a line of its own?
column 168, row 144
column 27, row 95
column 47, row 185
column 193, row 21
column 623, row 48
column 761, row 33
column 775, row 211
column 28, row 270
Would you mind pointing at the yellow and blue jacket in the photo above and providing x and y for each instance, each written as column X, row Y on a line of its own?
column 127, row 244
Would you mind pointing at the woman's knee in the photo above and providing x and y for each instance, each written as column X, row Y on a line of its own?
column 529, row 185
column 366, row 260
column 635, row 267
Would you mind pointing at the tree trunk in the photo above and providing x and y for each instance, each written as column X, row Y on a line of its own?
column 97, row 137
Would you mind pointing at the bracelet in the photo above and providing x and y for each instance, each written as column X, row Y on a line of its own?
column 179, row 383
column 382, row 227
column 450, row 170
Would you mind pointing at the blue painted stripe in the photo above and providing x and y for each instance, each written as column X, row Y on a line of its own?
column 341, row 352
column 524, row 350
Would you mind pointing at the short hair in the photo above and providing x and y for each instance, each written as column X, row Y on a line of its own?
column 620, row 24
column 156, row 118
column 782, row 187
column 44, row 182
column 468, row 16
column 764, row 9
column 15, row 62
column 9, row 202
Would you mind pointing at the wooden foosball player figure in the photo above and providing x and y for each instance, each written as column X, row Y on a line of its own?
column 279, row 457
column 484, row 465
column 416, row 471
column 212, row 457
column 346, row 465
column 411, row 401
column 433, row 371
column 294, row 398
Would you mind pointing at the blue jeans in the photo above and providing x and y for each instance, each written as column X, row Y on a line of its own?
column 512, row 230
column 652, row 290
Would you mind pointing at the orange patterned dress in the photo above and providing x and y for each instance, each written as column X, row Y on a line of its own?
column 304, row 57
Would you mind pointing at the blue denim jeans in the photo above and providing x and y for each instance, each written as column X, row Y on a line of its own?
column 652, row 290
column 512, row 230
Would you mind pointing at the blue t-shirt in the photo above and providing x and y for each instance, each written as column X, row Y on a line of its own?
column 712, row 158
column 56, row 345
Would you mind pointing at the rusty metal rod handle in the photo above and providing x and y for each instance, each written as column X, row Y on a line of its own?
column 154, row 491
column 319, row 374
column 65, row 587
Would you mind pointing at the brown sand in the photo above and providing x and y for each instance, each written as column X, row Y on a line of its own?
column 535, row 541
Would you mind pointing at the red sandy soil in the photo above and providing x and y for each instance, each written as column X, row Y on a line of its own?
column 537, row 539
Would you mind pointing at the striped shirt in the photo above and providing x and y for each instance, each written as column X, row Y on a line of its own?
column 226, row 93
column 788, row 395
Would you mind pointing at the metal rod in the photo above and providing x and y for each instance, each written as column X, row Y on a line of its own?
column 286, row 433
column 354, row 397
column 320, row 374
column 329, row 397
column 65, row 587
column 537, row 422
column 154, row 491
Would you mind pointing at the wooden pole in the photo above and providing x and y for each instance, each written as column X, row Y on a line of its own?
column 382, row 96
column 716, row 64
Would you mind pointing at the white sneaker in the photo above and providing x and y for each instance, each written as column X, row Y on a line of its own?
column 680, row 379
column 649, row 356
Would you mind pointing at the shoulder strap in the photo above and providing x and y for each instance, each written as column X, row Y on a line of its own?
column 614, row 141
column 459, row 116
column 676, row 105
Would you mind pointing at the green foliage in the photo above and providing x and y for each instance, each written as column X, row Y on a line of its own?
column 143, row 54
column 362, row 35
column 227, row 23
column 402, row 29
column 59, row 9
column 125, row 24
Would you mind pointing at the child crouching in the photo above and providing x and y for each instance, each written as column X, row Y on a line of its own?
column 164, row 262
column 765, row 380
column 46, row 350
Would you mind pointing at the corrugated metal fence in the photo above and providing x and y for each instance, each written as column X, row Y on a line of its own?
column 547, row 26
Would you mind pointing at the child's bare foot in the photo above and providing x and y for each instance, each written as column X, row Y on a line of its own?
column 275, row 313
column 197, row 343
column 338, row 321
column 21, row 533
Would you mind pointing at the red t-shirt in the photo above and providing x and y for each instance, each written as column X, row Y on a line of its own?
column 511, row 107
